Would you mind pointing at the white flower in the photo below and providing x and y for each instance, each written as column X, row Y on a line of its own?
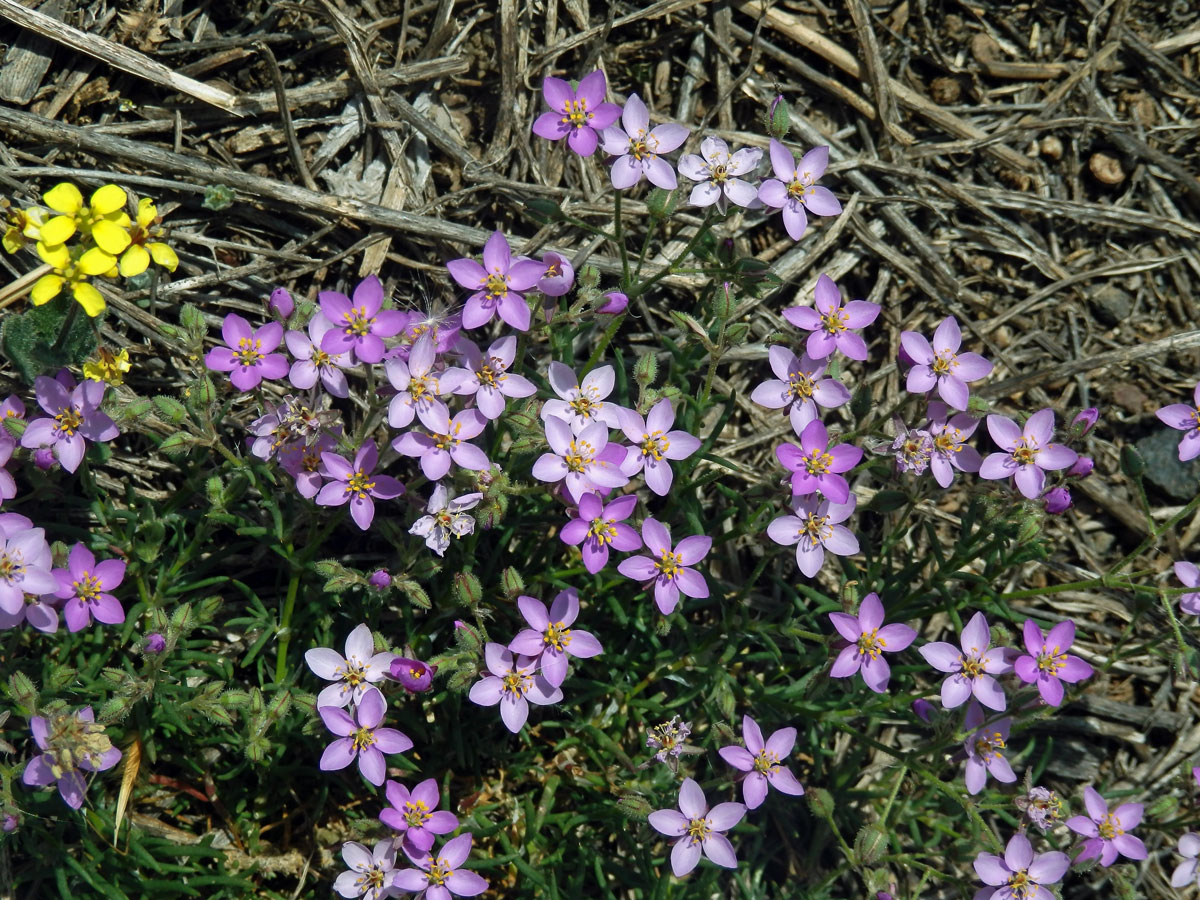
column 446, row 517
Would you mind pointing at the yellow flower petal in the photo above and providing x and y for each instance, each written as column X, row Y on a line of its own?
column 57, row 255
column 93, row 371
column 13, row 240
column 46, row 289
column 108, row 199
column 35, row 218
column 58, row 230
column 109, row 237
column 89, row 298
column 64, row 198
column 96, row 262
column 147, row 212
column 164, row 256
column 135, row 261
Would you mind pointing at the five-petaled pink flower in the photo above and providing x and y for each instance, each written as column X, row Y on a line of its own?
column 598, row 527
column 440, row 875
column 761, row 761
column 816, row 466
column 815, row 528
column 941, row 365
column 669, row 568
column 248, row 357
column 498, row 284
column 578, row 115
column 950, row 450
column 716, row 172
column 417, row 385
column 415, row 815
column 654, row 444
column 488, row 378
column 832, row 324
column 984, row 748
column 868, row 640
column 971, row 668
column 798, row 387
column 352, row 674
column 371, row 872
column 583, row 462
column 1019, row 874
column 313, row 362
column 1048, row 663
column 85, row 585
column 698, row 829
column 356, row 484
column 361, row 737
column 1189, row 575
column 638, row 147
column 1107, row 833
column 1184, row 418
column 1028, row 453
column 513, row 684
column 362, row 324
column 550, row 637
column 580, row 404
column 793, row 189
column 445, row 441
column 74, row 414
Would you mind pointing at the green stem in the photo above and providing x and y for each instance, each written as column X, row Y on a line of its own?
column 619, row 232
column 605, row 339
column 1102, row 581
column 67, row 325
column 669, row 269
column 1155, row 534
column 1169, row 609
column 892, row 796
column 285, row 622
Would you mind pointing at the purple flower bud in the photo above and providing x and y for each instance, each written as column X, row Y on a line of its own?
column 924, row 710
column 281, row 303
column 616, row 303
column 43, row 458
column 10, row 823
column 380, row 579
column 414, row 676
column 1085, row 421
column 1057, row 500
column 1196, row 774
column 1082, row 468
column 155, row 643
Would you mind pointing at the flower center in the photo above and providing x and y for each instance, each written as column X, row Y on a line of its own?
column 584, row 406
column 12, row 565
column 354, row 675
column 1050, row 661
column 1109, row 827
column 439, row 871
column 944, row 364
column 698, row 830
column 516, row 684
column 579, row 455
column 1023, row 454
column 576, row 114
column 815, row 530
column 836, row 321
column 947, row 443
column 321, row 359
column 719, row 174
column 248, row 352
column 655, row 445
column 871, row 644
column 87, row 588
column 444, row 442
column 800, row 186
column 363, row 737
column 488, row 375
column 416, row 814
column 360, row 484
column 370, row 880
column 602, row 531
column 1019, row 885
column 818, row 462
column 970, row 666
column 639, row 150
column 557, row 636
column 990, row 746
column 766, row 762
column 68, row 419
column 357, row 322
column 801, row 385
column 419, row 388
column 669, row 564
column 496, row 285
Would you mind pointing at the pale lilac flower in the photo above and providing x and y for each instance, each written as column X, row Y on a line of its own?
column 761, row 761
column 356, row 484
column 716, row 173
column 248, row 355
column 513, row 684
column 371, row 872
column 440, row 876
column 1057, row 500
column 353, row 674
column 832, row 324
column 815, row 528
column 816, row 466
column 549, row 636
column 912, row 449
column 584, row 462
column 868, row 640
column 1107, row 833
column 1189, row 849
column 799, row 387
column 1189, row 575
column 950, row 450
column 414, row 676
column 8, row 484
column 498, row 284
column 669, row 569
column 444, row 328
column 983, row 748
column 1020, row 875
column 615, row 302
column 597, row 527
column 793, row 189
column 445, row 441
column 638, row 147
column 303, row 462
column 654, row 444
column 446, row 516
column 415, row 814
column 73, row 415
column 280, row 304
column 312, row 362
column 971, row 666
column 1028, row 453
column 417, row 385
column 25, row 564
column 941, row 365
column 698, row 829
column 1041, row 807
column 669, row 739
column 578, row 115
column 69, row 743
column 488, row 377
column 1184, row 418
column 361, row 324
column 12, row 407
column 558, row 277
column 361, row 737
column 84, row 584
column 579, row 405
column 1048, row 663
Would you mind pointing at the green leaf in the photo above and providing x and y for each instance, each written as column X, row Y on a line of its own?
column 31, row 339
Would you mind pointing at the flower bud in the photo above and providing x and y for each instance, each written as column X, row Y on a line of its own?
column 512, row 582
column 616, row 303
column 380, row 579
column 1132, row 463
column 468, row 637
column 634, row 807
column 645, row 370
column 924, row 710
column 414, row 675
column 1082, row 468
column 10, row 823
column 1057, row 500
column 1085, row 421
column 281, row 305
column 870, row 844
column 467, row 589
column 723, row 303
column 661, row 203
column 43, row 458
column 821, row 802
column 155, row 643
column 778, row 119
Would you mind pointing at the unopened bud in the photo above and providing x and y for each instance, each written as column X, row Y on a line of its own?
column 615, row 302
column 512, row 582
column 281, row 303
column 821, row 802
column 870, row 844
column 380, row 579
column 467, row 589
column 1057, row 500
column 468, row 637
column 1085, row 420
column 1082, row 468
column 661, row 203
column 634, row 807
column 924, row 710
column 723, row 303
column 778, row 118
column 645, row 370
column 1132, row 463
column 155, row 643
column 43, row 458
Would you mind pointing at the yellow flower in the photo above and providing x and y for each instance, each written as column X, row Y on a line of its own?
column 104, row 218
column 74, row 273
column 136, row 259
column 21, row 225
column 110, row 367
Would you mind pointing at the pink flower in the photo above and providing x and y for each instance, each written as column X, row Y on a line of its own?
column 586, row 462
column 549, row 636
column 669, row 568
column 488, row 377
column 716, row 173
column 440, row 876
column 638, row 147
column 798, row 387
column 579, row 405
column 415, row 815
column 698, row 828
column 971, row 668
column 950, row 450
column 654, row 444
column 615, row 302
column 815, row 528
column 558, row 277
column 760, row 759
column 513, row 684
column 831, row 323
column 25, row 563
column 578, row 115
column 417, row 385
column 1047, row 663
column 414, row 676
column 793, row 189
column 816, row 466
column 73, row 416
column 1189, row 575
column 867, row 643
column 8, row 484
column 313, row 362
column 371, row 872
column 597, row 527
column 359, row 326
column 497, row 284
column 1020, row 875
column 941, row 365
column 84, row 584
column 66, row 764
column 1028, row 454
column 361, row 738
column 983, row 750
column 445, row 441
column 248, row 355
column 1184, row 418
column 1189, row 849
column 356, row 484
column 353, row 674
column 1107, row 832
